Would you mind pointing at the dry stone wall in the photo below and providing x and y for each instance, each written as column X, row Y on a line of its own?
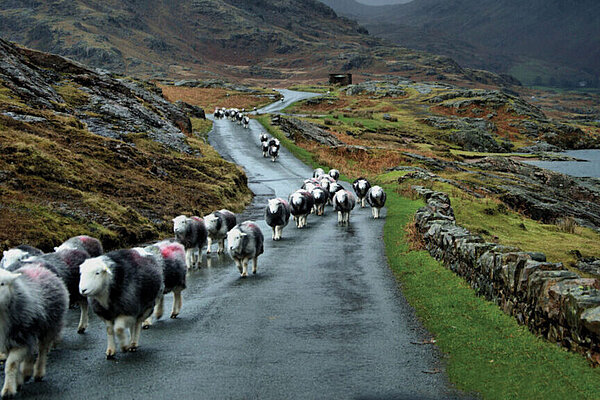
column 552, row 301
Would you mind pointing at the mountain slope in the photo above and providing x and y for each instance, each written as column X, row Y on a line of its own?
column 553, row 39
column 272, row 39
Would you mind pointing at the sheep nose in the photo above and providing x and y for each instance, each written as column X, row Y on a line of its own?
column 83, row 291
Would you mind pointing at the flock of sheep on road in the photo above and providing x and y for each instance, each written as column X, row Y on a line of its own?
column 125, row 288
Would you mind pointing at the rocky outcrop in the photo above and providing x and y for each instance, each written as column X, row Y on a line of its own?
column 552, row 301
column 109, row 107
column 471, row 134
column 295, row 128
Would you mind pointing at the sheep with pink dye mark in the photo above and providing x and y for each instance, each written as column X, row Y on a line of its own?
column 33, row 303
column 170, row 256
column 90, row 245
column 16, row 254
column 301, row 204
column 192, row 234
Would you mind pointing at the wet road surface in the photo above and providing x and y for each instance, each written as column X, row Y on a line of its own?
column 322, row 319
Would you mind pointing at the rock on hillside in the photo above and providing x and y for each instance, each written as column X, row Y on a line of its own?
column 85, row 153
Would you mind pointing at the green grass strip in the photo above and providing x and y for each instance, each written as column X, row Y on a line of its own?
column 487, row 351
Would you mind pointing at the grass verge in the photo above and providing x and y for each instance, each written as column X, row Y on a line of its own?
column 488, row 353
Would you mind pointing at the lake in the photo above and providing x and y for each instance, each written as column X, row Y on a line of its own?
column 589, row 168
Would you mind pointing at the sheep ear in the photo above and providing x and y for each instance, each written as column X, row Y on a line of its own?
column 243, row 234
column 56, row 249
column 106, row 270
column 4, row 253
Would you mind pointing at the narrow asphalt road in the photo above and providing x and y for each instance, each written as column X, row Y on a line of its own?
column 322, row 319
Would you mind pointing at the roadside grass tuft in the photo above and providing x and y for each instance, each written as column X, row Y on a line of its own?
column 487, row 352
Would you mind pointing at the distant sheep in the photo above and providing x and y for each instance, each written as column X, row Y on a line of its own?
column 265, row 149
column 273, row 153
column 264, row 138
column 343, row 203
column 33, row 303
column 170, row 256
column 321, row 197
column 123, row 287
column 90, row 245
column 317, row 173
column 361, row 186
column 217, row 225
column 335, row 174
column 301, row 203
column 277, row 216
column 192, row 234
column 376, row 198
column 245, row 121
column 16, row 254
column 245, row 241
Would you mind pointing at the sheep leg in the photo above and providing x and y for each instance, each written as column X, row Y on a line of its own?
column 26, row 369
column 239, row 265
column 339, row 217
column 274, row 236
column 136, row 331
column 208, row 244
column 373, row 212
column 11, row 370
column 196, row 253
column 111, row 348
column 376, row 213
column 159, row 308
column 83, row 317
column 122, row 324
column 362, row 202
column 254, row 265
column 177, row 303
column 221, row 248
column 188, row 258
column 244, row 267
column 39, row 369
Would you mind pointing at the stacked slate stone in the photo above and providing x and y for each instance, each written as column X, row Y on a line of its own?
column 551, row 300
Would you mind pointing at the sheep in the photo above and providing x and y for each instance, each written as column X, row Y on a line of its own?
column 16, row 254
column 277, row 216
column 123, row 287
column 310, row 184
column 325, row 182
column 264, row 138
column 170, row 256
column 334, row 187
column 33, row 304
column 335, row 174
column 361, row 186
column 90, row 245
column 217, row 225
column 301, row 203
column 317, row 173
column 376, row 198
column 245, row 242
column 343, row 203
column 321, row 196
column 246, row 121
column 192, row 234
column 64, row 264
column 265, row 149
column 275, row 142
column 239, row 117
column 273, row 153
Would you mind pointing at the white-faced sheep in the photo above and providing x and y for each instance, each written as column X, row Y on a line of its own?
column 273, row 153
column 64, row 264
column 192, row 234
column 343, row 203
column 170, row 256
column 265, row 149
column 123, row 287
column 246, row 121
column 264, row 138
column 90, row 245
column 321, row 197
column 245, row 241
column 277, row 216
column 334, row 187
column 317, row 173
column 301, row 204
column 33, row 303
column 376, row 198
column 217, row 225
column 361, row 186
column 335, row 174
column 16, row 254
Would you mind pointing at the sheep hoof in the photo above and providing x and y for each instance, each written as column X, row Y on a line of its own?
column 110, row 354
column 8, row 395
column 38, row 379
column 26, row 378
column 132, row 349
column 81, row 330
column 244, row 275
column 174, row 315
column 146, row 326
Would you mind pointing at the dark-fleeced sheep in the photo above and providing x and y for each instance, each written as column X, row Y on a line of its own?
column 170, row 256
column 192, row 234
column 217, row 224
column 16, row 254
column 334, row 173
column 245, row 241
column 33, row 303
column 123, row 287
column 376, row 198
column 273, row 153
column 277, row 216
column 301, row 203
column 321, row 197
column 90, row 245
column 361, row 186
column 343, row 203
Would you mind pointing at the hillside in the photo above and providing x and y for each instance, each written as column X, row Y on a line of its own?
column 85, row 153
column 268, row 39
column 552, row 43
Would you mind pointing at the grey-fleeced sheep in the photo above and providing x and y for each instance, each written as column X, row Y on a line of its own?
column 170, row 256
column 192, row 234
column 321, row 197
column 64, row 264
column 245, row 241
column 361, row 186
column 16, row 254
column 301, row 203
column 334, row 173
column 376, row 198
column 343, row 203
column 217, row 224
column 33, row 303
column 90, row 245
column 277, row 216
column 318, row 173
column 123, row 287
